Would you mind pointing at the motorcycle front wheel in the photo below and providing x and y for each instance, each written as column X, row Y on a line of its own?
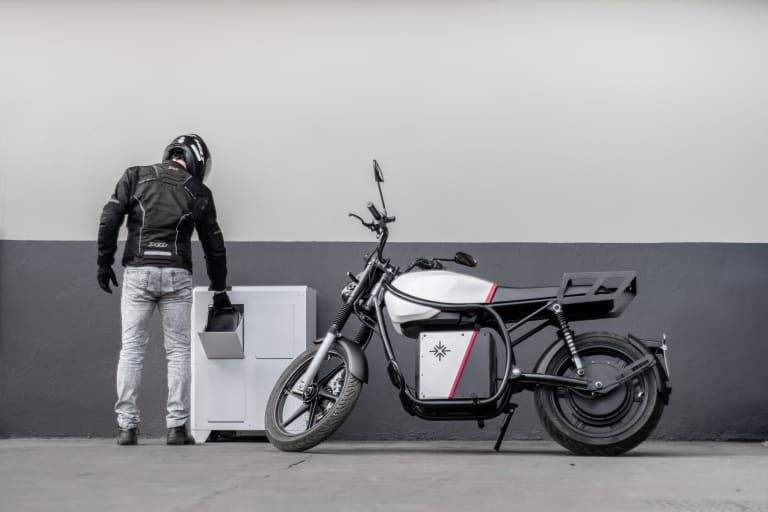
column 297, row 421
column 609, row 424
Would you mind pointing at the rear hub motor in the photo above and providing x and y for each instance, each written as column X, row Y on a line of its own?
column 601, row 409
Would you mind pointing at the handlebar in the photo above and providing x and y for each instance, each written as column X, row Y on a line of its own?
column 380, row 220
column 425, row 264
column 374, row 211
column 379, row 224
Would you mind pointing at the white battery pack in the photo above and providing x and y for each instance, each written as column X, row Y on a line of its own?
column 456, row 364
column 442, row 358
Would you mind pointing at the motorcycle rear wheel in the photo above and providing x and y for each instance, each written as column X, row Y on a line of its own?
column 609, row 424
column 296, row 422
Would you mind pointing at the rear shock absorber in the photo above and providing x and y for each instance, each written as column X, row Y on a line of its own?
column 565, row 329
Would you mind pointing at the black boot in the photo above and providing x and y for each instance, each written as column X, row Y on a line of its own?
column 179, row 436
column 127, row 436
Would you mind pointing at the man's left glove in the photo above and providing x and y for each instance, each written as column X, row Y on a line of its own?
column 221, row 302
column 104, row 276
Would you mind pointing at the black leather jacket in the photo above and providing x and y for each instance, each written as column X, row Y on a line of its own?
column 164, row 203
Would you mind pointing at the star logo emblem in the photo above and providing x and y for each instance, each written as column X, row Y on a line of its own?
column 440, row 351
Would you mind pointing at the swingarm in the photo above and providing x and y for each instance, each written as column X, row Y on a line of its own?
column 594, row 387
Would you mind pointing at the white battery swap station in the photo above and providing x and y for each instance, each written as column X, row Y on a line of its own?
column 233, row 372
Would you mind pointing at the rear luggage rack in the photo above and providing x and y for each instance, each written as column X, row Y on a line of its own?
column 588, row 295
column 581, row 287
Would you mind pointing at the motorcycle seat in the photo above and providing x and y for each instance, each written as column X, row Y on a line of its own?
column 512, row 294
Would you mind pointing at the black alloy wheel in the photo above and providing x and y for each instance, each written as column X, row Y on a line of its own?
column 299, row 420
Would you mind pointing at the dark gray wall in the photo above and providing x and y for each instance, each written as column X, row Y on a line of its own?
column 60, row 335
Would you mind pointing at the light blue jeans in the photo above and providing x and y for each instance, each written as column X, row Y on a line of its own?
column 170, row 289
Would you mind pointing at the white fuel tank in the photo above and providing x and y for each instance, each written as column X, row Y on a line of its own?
column 434, row 285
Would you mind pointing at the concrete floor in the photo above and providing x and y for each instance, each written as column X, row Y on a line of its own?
column 88, row 474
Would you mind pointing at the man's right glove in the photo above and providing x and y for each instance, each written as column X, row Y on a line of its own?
column 104, row 276
column 221, row 302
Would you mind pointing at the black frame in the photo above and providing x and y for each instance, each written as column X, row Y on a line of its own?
column 513, row 380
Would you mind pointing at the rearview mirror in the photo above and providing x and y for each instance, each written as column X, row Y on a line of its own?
column 377, row 174
column 465, row 259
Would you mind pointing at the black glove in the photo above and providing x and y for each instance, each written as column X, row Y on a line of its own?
column 221, row 302
column 104, row 276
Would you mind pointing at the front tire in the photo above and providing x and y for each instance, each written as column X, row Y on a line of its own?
column 297, row 422
column 609, row 424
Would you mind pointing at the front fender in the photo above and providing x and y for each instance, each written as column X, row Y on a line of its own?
column 358, row 363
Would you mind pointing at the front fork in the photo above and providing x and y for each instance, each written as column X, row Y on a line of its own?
column 322, row 351
column 314, row 366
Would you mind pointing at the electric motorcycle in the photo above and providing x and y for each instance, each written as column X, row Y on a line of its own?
column 596, row 393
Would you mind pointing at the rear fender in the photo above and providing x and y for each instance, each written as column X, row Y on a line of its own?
column 657, row 348
column 546, row 357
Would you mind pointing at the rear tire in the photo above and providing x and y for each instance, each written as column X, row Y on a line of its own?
column 604, row 425
column 337, row 393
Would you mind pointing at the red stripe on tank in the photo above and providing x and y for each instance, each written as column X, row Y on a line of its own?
column 491, row 294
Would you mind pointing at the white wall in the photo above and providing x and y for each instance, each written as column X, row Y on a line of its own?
column 560, row 121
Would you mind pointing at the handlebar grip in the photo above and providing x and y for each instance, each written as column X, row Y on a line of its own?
column 374, row 211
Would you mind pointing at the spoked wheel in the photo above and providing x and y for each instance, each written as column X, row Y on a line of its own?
column 609, row 424
column 296, row 421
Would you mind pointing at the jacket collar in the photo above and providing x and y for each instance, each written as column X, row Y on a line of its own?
column 173, row 165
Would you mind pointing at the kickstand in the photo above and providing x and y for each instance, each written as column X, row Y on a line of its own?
column 505, row 425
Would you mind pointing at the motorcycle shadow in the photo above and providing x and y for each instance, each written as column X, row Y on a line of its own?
column 510, row 448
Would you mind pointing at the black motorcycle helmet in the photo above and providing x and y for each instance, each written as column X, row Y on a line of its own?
column 192, row 149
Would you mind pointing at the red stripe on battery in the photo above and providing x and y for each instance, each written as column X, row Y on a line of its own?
column 463, row 364
column 490, row 295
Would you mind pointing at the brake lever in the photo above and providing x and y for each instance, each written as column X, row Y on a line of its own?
column 369, row 225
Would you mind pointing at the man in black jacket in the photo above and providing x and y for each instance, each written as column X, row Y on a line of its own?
column 164, row 203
